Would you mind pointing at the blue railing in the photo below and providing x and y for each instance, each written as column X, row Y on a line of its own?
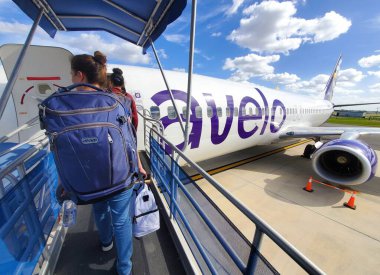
column 199, row 226
column 28, row 208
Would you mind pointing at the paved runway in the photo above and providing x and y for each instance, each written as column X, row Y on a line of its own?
column 339, row 240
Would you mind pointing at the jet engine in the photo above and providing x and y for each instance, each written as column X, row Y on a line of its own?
column 345, row 161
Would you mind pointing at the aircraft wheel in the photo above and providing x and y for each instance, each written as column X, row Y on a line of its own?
column 309, row 150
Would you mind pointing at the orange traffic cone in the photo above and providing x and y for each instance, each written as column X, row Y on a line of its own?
column 351, row 202
column 308, row 187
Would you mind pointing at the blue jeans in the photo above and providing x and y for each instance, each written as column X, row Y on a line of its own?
column 113, row 216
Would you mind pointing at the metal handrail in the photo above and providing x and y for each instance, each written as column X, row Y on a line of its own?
column 22, row 127
column 261, row 226
column 21, row 159
column 153, row 121
column 18, row 145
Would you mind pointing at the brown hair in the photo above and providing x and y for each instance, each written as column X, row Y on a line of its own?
column 117, row 78
column 94, row 67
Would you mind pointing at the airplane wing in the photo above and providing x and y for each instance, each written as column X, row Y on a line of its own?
column 344, row 132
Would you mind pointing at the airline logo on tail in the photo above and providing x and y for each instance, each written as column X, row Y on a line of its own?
column 329, row 90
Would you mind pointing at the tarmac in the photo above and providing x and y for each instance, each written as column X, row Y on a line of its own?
column 337, row 239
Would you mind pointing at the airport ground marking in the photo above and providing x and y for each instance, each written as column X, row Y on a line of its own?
column 248, row 160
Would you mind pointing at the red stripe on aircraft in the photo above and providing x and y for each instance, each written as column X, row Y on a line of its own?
column 43, row 78
column 22, row 99
column 23, row 96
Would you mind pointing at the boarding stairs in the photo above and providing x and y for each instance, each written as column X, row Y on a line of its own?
column 195, row 236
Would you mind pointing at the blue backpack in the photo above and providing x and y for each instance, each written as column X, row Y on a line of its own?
column 92, row 140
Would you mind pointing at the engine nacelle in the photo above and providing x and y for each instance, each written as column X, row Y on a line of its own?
column 346, row 162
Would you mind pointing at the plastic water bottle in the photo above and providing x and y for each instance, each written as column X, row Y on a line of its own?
column 69, row 215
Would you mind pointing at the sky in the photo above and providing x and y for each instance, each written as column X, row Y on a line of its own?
column 287, row 45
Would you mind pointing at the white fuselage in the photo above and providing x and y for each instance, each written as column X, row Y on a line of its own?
column 225, row 116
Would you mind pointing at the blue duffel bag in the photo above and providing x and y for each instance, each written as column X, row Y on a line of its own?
column 92, row 140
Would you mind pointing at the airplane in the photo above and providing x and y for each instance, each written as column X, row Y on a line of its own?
column 225, row 116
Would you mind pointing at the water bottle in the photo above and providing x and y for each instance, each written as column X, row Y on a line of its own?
column 69, row 215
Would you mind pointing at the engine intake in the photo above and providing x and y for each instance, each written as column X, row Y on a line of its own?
column 346, row 162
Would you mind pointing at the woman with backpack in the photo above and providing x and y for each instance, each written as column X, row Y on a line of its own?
column 112, row 215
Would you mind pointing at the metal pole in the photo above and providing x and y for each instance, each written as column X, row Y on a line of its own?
column 167, row 86
column 172, row 182
column 252, row 260
column 12, row 79
column 190, row 72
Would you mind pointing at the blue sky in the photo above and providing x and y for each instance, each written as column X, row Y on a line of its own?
column 290, row 45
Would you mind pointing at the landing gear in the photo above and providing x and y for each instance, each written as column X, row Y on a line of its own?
column 309, row 150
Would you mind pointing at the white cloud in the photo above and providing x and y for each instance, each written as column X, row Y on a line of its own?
column 251, row 65
column 374, row 22
column 272, row 27
column 216, row 12
column 179, row 69
column 377, row 73
column 349, row 77
column 176, row 38
column 235, row 6
column 347, row 96
column 216, row 34
column 14, row 28
column 313, row 86
column 370, row 61
column 162, row 53
column 114, row 48
column 282, row 78
column 346, row 85
column 375, row 88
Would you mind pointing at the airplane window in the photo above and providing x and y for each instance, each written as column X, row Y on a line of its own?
column 209, row 111
column 280, row 111
column 171, row 113
column 44, row 89
column 198, row 112
column 219, row 111
column 267, row 111
column 155, row 112
column 228, row 111
column 256, row 111
column 184, row 112
column 243, row 112
column 236, row 111
column 250, row 111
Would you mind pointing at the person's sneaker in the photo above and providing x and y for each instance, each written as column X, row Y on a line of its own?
column 107, row 247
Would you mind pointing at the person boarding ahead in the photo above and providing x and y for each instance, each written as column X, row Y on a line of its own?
column 117, row 87
column 116, row 83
